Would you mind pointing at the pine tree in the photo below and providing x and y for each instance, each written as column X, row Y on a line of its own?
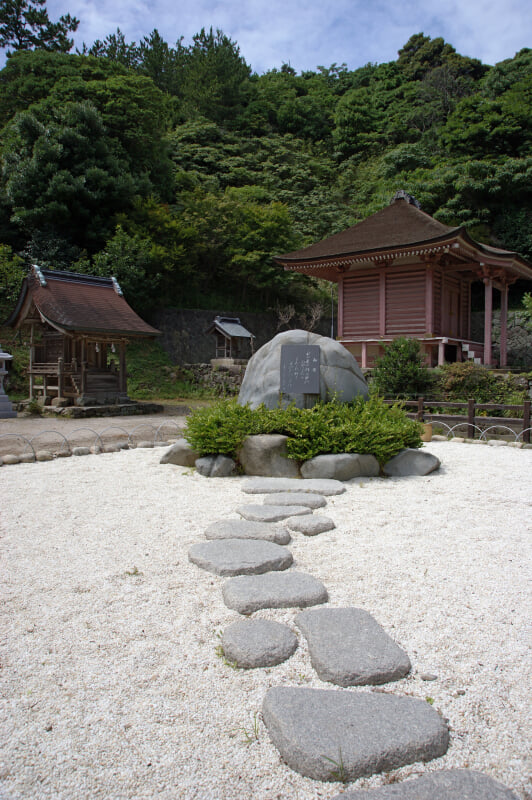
column 25, row 25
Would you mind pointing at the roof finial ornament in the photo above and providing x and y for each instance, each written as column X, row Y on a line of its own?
column 39, row 275
column 403, row 195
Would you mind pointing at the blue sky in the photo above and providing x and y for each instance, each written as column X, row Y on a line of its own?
column 308, row 33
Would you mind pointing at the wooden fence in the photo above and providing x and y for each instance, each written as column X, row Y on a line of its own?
column 471, row 418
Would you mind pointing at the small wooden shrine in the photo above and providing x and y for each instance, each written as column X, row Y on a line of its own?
column 402, row 273
column 233, row 341
column 79, row 328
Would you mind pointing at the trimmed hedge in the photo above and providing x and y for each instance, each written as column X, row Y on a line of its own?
column 369, row 427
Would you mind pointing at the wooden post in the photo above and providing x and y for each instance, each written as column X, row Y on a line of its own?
column 364, row 356
column 122, row 367
column 429, row 302
column 382, row 302
column 32, row 360
column 526, row 421
column 504, row 326
column 441, row 354
column 488, row 319
column 83, row 367
column 420, row 409
column 470, row 419
column 340, row 320
column 60, row 377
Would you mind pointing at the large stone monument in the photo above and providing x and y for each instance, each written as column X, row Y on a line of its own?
column 6, row 409
column 301, row 367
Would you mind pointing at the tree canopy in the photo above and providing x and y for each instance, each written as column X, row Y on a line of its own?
column 182, row 171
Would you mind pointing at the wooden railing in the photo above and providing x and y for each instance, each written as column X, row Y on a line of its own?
column 471, row 419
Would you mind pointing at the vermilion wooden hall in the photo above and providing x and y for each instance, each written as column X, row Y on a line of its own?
column 400, row 272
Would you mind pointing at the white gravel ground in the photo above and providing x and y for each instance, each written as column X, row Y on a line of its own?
column 111, row 684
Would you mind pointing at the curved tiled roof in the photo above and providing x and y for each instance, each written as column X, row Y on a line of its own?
column 400, row 224
column 82, row 303
column 397, row 229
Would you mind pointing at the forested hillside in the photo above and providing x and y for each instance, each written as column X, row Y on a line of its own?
column 181, row 172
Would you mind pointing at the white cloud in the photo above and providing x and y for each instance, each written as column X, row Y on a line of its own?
column 307, row 33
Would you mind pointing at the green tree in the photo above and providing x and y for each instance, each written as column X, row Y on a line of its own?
column 215, row 79
column 115, row 48
column 25, row 25
column 61, row 176
column 12, row 272
column 29, row 77
column 401, row 371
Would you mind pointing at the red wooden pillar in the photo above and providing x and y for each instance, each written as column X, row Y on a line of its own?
column 382, row 302
column 488, row 319
column 504, row 326
column 340, row 323
column 429, row 303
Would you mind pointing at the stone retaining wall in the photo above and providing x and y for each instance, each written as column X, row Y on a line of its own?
column 185, row 339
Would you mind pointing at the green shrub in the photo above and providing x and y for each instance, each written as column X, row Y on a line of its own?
column 401, row 371
column 369, row 427
column 461, row 381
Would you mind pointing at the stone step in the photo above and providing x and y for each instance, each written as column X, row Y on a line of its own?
column 348, row 647
column 247, row 529
column 449, row 784
column 269, row 485
column 240, row 556
column 310, row 525
column 332, row 735
column 247, row 594
column 258, row 643
column 258, row 513
column 295, row 499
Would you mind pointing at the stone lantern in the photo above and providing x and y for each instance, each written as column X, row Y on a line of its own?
column 6, row 409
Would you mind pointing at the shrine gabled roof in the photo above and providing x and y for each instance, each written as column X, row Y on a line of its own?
column 71, row 302
column 397, row 230
column 230, row 327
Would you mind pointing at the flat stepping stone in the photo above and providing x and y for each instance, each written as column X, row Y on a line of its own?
column 269, row 485
column 449, row 784
column 258, row 643
column 263, row 513
column 348, row 647
column 295, row 499
column 247, row 594
column 239, row 556
column 310, row 526
column 332, row 735
column 247, row 529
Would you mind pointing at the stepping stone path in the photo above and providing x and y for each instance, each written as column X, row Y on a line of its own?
column 247, row 529
column 349, row 648
column 330, row 735
column 258, row 643
column 273, row 590
column 448, row 784
column 327, row 735
column 240, row 556
column 271, row 513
